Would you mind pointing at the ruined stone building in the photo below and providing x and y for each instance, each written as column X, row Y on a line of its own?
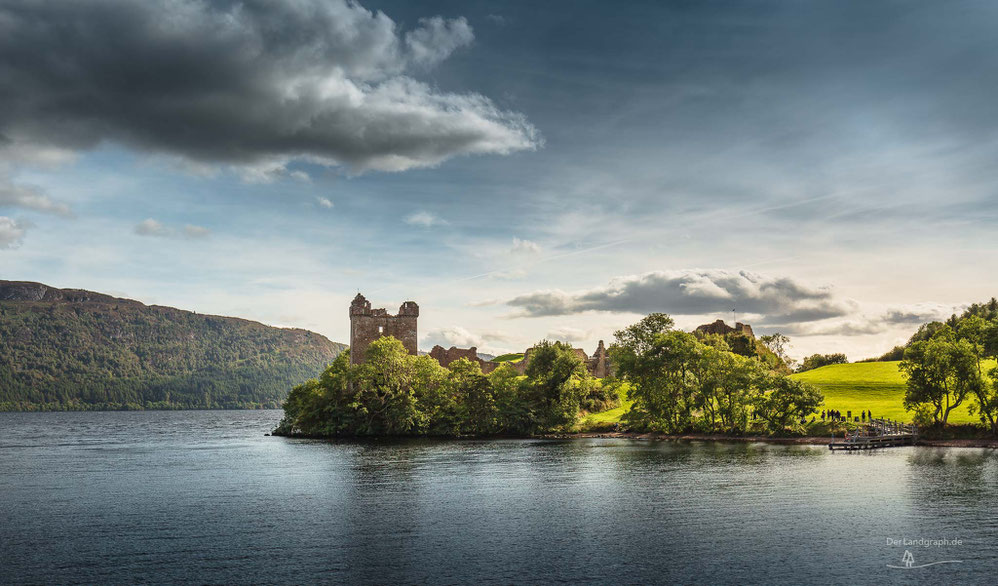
column 719, row 327
column 452, row 354
column 367, row 325
column 598, row 364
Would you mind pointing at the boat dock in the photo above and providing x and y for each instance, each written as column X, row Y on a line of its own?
column 879, row 433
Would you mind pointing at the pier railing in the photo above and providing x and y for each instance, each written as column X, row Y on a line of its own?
column 877, row 433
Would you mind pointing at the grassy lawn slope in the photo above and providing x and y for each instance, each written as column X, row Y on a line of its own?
column 873, row 386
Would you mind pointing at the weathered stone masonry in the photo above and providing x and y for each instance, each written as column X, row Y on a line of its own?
column 367, row 325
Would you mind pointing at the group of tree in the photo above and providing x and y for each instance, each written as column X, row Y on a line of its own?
column 677, row 382
column 947, row 368
column 680, row 383
column 393, row 393
column 818, row 360
column 770, row 351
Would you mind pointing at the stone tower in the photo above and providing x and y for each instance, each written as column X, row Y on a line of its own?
column 367, row 325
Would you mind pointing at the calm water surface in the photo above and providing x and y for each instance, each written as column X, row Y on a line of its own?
column 204, row 497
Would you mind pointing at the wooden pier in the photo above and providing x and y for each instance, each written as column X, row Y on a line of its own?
column 879, row 433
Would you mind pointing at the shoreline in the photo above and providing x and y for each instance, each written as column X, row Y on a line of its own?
column 991, row 443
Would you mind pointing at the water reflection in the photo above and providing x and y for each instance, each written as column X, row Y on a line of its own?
column 144, row 497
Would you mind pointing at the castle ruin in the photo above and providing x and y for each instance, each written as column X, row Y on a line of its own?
column 719, row 327
column 367, row 325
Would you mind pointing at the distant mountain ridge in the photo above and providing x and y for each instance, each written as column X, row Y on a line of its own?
column 78, row 349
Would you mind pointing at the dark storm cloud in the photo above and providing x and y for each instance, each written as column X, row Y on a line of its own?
column 692, row 292
column 255, row 84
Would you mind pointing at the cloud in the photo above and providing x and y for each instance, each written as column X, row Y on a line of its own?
column 155, row 228
column 11, row 232
column 436, row 39
column 919, row 313
column 192, row 231
column 324, row 202
column 255, row 85
column 569, row 334
column 462, row 338
column 893, row 318
column 424, row 219
column 524, row 247
column 150, row 227
column 31, row 198
column 692, row 292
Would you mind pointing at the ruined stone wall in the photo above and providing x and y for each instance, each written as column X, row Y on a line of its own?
column 598, row 364
column 368, row 324
column 719, row 327
column 446, row 356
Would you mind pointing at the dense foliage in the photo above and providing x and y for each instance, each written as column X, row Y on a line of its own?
column 680, row 383
column 97, row 352
column 818, row 360
column 770, row 351
column 393, row 393
column 946, row 369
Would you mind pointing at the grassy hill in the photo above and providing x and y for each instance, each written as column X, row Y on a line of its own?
column 871, row 386
column 75, row 349
column 875, row 386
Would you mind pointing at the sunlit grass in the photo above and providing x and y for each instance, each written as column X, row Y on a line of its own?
column 876, row 387
column 871, row 386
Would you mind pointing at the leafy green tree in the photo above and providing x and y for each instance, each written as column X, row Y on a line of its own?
column 386, row 388
column 981, row 335
column 725, row 385
column 477, row 411
column 784, row 402
column 778, row 344
column 818, row 360
column 554, row 395
column 661, row 374
column 508, row 390
column 941, row 371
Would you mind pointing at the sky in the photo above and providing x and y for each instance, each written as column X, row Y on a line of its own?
column 521, row 170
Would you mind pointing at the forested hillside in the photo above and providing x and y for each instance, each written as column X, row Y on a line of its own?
column 74, row 349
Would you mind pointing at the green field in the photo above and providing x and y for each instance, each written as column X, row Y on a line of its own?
column 516, row 357
column 871, row 386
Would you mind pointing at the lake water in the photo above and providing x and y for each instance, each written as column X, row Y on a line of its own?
column 204, row 497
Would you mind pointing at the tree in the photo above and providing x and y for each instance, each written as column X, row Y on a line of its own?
column 553, row 392
column 386, row 386
column 779, row 344
column 660, row 370
column 512, row 412
column 783, row 402
column 477, row 412
column 818, row 360
column 981, row 335
column 941, row 371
